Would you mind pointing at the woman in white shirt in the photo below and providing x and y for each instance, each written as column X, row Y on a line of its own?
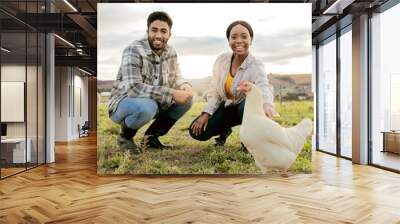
column 225, row 104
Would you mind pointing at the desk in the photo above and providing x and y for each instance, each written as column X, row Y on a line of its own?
column 15, row 148
column 391, row 141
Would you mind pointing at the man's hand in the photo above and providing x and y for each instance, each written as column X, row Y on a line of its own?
column 186, row 87
column 181, row 96
column 270, row 111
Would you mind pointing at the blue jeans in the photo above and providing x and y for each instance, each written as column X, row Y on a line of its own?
column 136, row 112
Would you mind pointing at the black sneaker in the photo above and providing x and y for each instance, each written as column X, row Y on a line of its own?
column 243, row 148
column 152, row 141
column 220, row 141
column 128, row 145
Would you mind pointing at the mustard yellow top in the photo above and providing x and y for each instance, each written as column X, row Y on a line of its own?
column 228, row 84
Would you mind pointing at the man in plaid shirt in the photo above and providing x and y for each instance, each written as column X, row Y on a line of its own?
column 149, row 85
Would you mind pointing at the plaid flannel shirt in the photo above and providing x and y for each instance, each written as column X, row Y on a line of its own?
column 143, row 73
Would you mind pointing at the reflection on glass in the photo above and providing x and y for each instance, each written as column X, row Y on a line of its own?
column 13, row 70
column 31, row 97
column 41, row 99
column 32, row 85
column 23, row 83
column 385, row 85
column 327, row 97
column 346, row 94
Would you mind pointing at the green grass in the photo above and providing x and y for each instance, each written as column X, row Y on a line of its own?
column 190, row 156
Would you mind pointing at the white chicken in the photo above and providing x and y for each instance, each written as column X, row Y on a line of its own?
column 271, row 145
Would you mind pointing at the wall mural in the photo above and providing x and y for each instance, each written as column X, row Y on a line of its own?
column 186, row 89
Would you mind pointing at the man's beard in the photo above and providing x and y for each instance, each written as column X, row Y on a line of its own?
column 156, row 47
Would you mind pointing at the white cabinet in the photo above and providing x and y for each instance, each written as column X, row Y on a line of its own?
column 18, row 149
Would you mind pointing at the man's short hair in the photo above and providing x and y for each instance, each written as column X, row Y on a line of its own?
column 159, row 15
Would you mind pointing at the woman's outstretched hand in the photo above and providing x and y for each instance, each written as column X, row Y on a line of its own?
column 270, row 111
column 200, row 123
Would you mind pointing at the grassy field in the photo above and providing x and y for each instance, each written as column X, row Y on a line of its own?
column 190, row 156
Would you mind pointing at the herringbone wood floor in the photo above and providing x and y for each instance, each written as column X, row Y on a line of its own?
column 69, row 191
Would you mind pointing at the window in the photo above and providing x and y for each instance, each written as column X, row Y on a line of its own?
column 394, row 102
column 327, row 96
column 385, row 85
column 346, row 93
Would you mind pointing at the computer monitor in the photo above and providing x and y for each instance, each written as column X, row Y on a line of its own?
column 3, row 129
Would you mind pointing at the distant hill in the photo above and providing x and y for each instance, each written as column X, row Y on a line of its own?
column 104, row 85
column 291, row 86
column 201, row 85
column 286, row 86
column 298, row 79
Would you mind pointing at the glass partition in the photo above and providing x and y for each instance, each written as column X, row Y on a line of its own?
column 31, row 98
column 13, row 92
column 41, row 91
column 22, row 77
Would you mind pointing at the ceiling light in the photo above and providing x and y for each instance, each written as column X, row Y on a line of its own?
column 337, row 7
column 5, row 50
column 79, row 51
column 84, row 71
column 64, row 40
column 70, row 5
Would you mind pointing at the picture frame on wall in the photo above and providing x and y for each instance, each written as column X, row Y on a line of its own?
column 177, row 85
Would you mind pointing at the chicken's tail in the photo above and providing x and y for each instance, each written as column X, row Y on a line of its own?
column 299, row 133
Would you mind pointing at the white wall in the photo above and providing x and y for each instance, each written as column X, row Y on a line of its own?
column 12, row 73
column 70, row 83
column 61, row 103
column 33, row 126
column 16, row 73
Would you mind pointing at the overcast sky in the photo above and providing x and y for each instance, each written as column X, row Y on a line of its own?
column 282, row 34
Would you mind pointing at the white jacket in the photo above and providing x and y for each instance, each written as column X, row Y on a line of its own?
column 251, row 70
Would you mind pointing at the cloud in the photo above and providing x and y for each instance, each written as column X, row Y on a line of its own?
column 266, row 20
column 279, row 49
column 117, row 18
column 276, row 41
column 283, row 46
column 199, row 45
column 279, row 42
column 119, row 40
column 296, row 51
